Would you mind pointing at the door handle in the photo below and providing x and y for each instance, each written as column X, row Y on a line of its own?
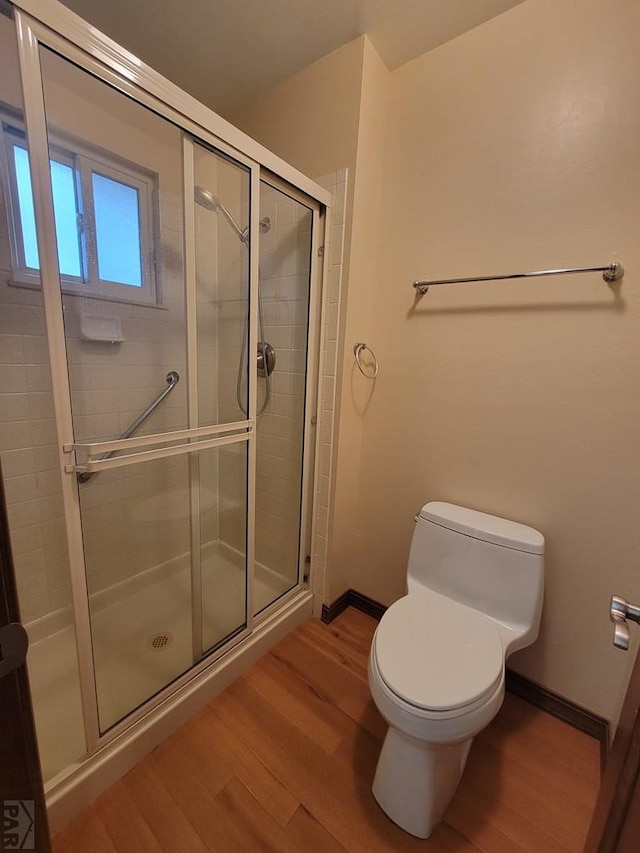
column 14, row 642
column 619, row 612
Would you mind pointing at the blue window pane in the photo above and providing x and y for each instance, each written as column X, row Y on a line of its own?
column 25, row 201
column 66, row 217
column 64, row 208
column 117, row 231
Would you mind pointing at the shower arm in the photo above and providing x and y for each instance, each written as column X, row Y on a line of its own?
column 173, row 377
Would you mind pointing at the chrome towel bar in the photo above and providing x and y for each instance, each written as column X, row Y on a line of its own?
column 612, row 272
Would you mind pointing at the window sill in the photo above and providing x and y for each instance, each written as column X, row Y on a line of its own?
column 99, row 297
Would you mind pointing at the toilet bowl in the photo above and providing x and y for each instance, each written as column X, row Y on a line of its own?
column 437, row 661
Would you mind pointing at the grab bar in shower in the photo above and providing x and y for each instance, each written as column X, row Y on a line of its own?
column 172, row 377
column 611, row 272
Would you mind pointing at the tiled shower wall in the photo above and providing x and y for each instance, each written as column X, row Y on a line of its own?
column 284, row 298
column 29, row 452
column 27, row 427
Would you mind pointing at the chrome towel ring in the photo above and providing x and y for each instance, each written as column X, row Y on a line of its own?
column 358, row 349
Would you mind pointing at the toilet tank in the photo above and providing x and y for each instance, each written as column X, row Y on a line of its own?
column 488, row 563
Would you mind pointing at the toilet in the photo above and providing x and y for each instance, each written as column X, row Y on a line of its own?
column 436, row 668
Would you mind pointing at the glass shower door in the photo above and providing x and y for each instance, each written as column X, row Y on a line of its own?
column 284, row 299
column 222, row 262
column 153, row 258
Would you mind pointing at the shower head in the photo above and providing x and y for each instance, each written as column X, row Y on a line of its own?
column 205, row 198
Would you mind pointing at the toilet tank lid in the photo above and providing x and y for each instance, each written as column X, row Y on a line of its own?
column 488, row 528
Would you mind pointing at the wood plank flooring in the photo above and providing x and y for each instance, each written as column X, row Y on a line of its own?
column 283, row 761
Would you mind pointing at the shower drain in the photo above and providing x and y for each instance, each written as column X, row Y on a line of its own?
column 160, row 641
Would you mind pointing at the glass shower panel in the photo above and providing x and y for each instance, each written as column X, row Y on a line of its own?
column 221, row 208
column 28, row 450
column 138, row 569
column 223, row 543
column 285, row 261
column 125, row 316
column 150, row 528
column 122, row 344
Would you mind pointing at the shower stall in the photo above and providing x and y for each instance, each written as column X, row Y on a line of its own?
column 159, row 338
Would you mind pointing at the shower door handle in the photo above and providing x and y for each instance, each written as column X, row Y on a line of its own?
column 14, row 642
column 619, row 611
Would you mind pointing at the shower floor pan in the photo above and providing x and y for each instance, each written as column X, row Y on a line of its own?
column 141, row 632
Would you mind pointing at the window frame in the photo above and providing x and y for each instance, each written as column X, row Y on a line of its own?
column 86, row 160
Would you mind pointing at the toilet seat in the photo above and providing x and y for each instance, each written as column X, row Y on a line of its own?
column 438, row 655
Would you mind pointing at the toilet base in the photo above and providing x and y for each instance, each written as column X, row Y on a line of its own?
column 415, row 781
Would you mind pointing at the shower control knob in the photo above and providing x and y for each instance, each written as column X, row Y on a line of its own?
column 266, row 359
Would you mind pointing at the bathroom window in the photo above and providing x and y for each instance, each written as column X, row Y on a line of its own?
column 104, row 214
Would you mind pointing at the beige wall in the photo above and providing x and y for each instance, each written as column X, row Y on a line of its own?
column 311, row 120
column 355, row 392
column 512, row 147
column 515, row 147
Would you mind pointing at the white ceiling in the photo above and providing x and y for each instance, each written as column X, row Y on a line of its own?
column 226, row 52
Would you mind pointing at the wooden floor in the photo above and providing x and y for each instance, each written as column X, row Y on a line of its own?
column 284, row 758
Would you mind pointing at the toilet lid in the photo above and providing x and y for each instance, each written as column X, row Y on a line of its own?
column 437, row 654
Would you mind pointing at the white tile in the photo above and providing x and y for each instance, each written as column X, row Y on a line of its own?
column 13, row 407
column 48, row 483
column 18, row 462
column 38, row 377
column 334, row 278
column 339, row 202
column 28, row 319
column 30, row 565
column 35, row 348
column 43, row 431
column 23, row 514
column 285, row 212
column 14, row 435
column 10, row 347
column 40, row 405
column 26, row 539
column 51, row 506
column 14, row 378
column 330, row 359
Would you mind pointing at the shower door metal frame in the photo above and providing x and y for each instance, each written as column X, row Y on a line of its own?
column 49, row 23
column 30, row 36
column 190, row 245
column 312, row 373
